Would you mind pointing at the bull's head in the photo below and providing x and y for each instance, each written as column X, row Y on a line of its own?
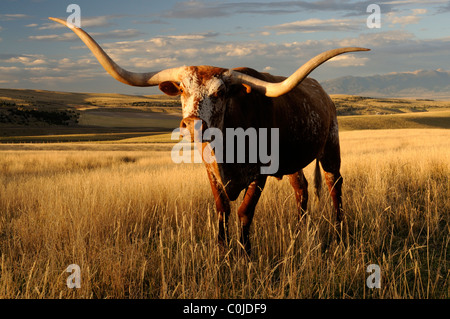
column 203, row 89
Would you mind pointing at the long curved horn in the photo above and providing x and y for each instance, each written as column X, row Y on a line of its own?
column 278, row 89
column 122, row 75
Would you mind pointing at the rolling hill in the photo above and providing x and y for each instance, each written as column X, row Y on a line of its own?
column 430, row 84
column 45, row 116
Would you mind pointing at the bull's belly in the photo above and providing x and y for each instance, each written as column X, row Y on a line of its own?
column 238, row 176
column 294, row 151
column 295, row 158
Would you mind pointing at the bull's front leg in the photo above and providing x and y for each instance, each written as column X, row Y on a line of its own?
column 247, row 210
column 223, row 211
column 222, row 203
column 220, row 196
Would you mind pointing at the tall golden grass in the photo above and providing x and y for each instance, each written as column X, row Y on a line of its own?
column 140, row 226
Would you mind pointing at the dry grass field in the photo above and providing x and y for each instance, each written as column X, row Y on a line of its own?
column 140, row 226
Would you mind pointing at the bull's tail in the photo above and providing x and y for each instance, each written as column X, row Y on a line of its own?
column 317, row 179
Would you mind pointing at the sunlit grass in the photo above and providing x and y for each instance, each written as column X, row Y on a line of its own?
column 140, row 226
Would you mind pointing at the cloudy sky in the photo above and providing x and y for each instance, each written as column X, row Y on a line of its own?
column 272, row 36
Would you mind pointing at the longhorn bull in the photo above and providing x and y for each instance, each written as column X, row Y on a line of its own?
column 230, row 98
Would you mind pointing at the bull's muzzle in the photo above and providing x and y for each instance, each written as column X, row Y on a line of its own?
column 194, row 126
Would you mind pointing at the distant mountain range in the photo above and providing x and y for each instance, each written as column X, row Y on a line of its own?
column 429, row 84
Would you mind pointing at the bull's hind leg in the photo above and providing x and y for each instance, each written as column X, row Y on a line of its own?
column 300, row 185
column 247, row 210
column 331, row 164
column 334, row 183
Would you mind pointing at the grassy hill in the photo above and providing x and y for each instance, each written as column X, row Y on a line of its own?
column 37, row 115
column 416, row 84
column 361, row 105
column 436, row 119
column 81, row 101
column 366, row 113
column 46, row 116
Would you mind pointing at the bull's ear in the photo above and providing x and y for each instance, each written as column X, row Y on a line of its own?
column 170, row 88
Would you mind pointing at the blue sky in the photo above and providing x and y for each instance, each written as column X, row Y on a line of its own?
column 271, row 36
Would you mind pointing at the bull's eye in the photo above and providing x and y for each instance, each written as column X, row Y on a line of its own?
column 219, row 93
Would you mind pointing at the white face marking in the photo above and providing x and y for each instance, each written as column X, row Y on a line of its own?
column 199, row 99
column 189, row 84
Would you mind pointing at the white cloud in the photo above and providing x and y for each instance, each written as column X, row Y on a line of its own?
column 315, row 25
column 36, row 69
column 117, row 34
column 419, row 11
column 51, row 79
column 198, row 36
column 348, row 60
column 192, row 9
column 15, row 16
column 404, row 20
column 143, row 63
column 28, row 60
column 233, row 50
column 70, row 36
column 379, row 39
column 9, row 81
column 58, row 37
column 8, row 68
